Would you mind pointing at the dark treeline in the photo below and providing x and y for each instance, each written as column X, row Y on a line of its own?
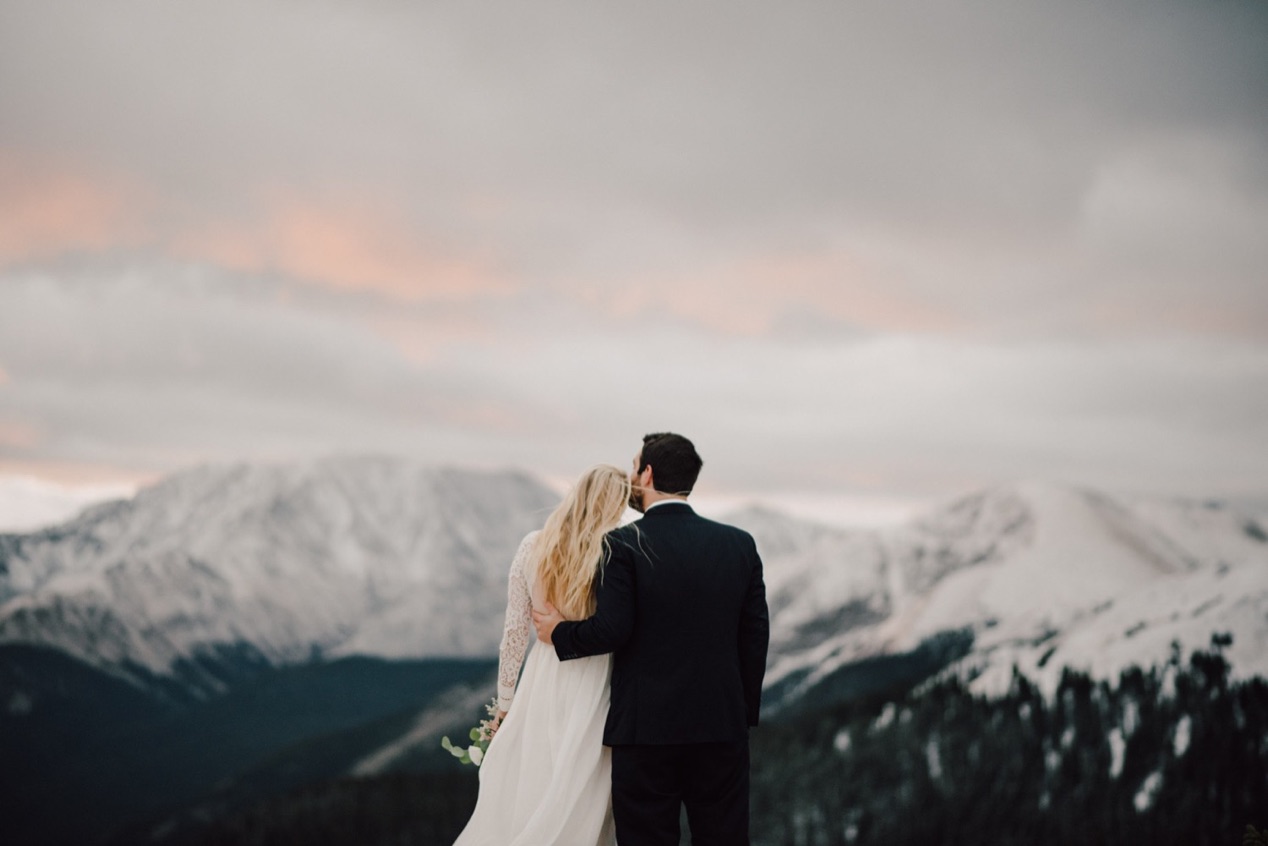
column 397, row 809
column 1171, row 755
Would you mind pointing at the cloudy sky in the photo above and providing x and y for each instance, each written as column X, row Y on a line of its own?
column 869, row 252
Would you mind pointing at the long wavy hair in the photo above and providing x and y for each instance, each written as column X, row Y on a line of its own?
column 572, row 543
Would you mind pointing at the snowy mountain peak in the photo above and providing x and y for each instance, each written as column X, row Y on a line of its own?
column 382, row 556
column 322, row 557
column 1045, row 575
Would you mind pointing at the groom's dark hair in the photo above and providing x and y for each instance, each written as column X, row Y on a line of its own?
column 675, row 462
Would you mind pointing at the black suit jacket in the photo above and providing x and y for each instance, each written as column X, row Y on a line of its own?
column 682, row 605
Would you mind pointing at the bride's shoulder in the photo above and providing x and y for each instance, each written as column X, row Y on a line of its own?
column 527, row 543
column 524, row 553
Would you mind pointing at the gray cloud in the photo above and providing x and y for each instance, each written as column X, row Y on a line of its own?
column 636, row 129
column 154, row 366
column 155, row 370
column 883, row 246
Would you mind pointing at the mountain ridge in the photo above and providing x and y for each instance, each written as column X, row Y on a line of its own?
column 376, row 555
column 253, row 588
column 1036, row 571
column 297, row 560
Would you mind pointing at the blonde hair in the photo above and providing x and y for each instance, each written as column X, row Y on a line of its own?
column 571, row 544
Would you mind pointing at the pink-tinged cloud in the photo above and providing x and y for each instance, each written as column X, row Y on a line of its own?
column 352, row 247
column 75, row 472
column 50, row 207
column 4, row 376
column 15, row 434
column 1119, row 313
column 754, row 295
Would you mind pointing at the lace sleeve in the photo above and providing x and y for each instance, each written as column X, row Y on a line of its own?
column 517, row 631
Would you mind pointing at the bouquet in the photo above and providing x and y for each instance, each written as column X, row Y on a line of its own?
column 480, row 736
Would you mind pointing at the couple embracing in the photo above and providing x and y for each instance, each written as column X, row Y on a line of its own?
column 638, row 699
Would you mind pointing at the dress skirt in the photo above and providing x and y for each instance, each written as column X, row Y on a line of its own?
column 546, row 779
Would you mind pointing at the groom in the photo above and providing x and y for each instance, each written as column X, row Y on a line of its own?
column 682, row 605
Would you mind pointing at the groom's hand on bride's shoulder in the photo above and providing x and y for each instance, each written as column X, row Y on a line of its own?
column 545, row 622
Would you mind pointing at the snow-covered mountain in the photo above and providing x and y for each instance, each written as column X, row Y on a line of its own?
column 345, row 555
column 1043, row 575
column 384, row 557
column 231, row 580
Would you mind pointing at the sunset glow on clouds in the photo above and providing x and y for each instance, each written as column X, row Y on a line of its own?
column 17, row 435
column 49, row 208
column 351, row 248
column 50, row 211
column 893, row 251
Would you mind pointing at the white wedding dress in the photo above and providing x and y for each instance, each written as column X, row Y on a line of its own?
column 546, row 779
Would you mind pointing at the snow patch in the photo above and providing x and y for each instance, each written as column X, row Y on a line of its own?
column 886, row 717
column 1180, row 742
column 1144, row 798
column 1118, row 746
column 933, row 759
column 1131, row 717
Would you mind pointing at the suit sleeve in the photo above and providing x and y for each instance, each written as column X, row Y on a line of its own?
column 613, row 619
column 754, row 638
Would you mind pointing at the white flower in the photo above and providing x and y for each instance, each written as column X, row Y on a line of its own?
column 477, row 755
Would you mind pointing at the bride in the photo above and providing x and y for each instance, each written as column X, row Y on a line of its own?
column 546, row 777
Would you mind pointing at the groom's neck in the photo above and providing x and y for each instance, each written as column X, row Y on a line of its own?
column 652, row 497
